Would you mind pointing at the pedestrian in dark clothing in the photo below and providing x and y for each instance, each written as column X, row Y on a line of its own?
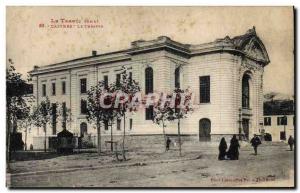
column 291, row 142
column 222, row 149
column 255, row 142
column 168, row 143
column 233, row 152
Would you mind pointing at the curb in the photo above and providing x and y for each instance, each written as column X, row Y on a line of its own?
column 97, row 167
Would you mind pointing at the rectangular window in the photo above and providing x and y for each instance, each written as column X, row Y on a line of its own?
column 130, row 77
column 83, row 85
column 64, row 115
column 44, row 89
column 130, row 124
column 177, row 77
column 83, row 107
column 118, row 124
column 63, row 87
column 53, row 89
column 204, row 89
column 267, row 121
column 282, row 120
column 149, row 113
column 54, row 115
column 106, row 125
column 118, row 79
column 105, row 81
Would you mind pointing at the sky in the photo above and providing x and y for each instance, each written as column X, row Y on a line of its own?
column 28, row 44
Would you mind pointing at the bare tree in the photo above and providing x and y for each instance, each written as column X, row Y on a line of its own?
column 182, row 106
column 16, row 107
column 126, row 87
column 42, row 115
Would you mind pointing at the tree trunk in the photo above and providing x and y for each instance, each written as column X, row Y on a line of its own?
column 8, row 127
column 45, row 139
column 111, row 137
column 179, row 137
column 164, row 133
column 26, row 138
column 99, row 136
column 123, row 144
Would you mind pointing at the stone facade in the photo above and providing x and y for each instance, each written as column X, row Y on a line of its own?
column 226, row 61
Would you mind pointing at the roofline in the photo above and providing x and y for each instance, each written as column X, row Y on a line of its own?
column 141, row 46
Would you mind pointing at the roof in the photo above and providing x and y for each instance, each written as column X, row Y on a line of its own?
column 279, row 107
column 248, row 44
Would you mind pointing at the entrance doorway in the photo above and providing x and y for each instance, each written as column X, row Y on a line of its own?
column 204, row 129
column 245, row 124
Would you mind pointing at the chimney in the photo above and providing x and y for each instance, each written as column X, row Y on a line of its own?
column 94, row 53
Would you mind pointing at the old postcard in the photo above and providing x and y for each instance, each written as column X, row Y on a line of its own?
column 157, row 97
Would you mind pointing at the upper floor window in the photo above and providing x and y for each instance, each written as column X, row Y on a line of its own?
column 130, row 77
column 267, row 121
column 63, row 87
column 245, row 91
column 118, row 79
column 83, row 85
column 105, row 79
column 83, row 106
column 148, row 80
column 282, row 120
column 44, row 90
column 177, row 77
column 204, row 89
column 53, row 88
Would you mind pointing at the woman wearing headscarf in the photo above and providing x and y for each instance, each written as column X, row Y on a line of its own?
column 233, row 152
column 222, row 149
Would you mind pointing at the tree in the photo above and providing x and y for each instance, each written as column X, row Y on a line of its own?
column 125, row 91
column 95, row 112
column 42, row 114
column 16, row 88
column 178, row 109
column 161, row 113
column 26, row 120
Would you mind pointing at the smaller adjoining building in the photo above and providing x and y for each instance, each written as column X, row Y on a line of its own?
column 279, row 119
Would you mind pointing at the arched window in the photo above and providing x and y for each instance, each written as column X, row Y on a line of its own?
column 83, row 129
column 204, row 129
column 177, row 77
column 149, row 89
column 246, row 91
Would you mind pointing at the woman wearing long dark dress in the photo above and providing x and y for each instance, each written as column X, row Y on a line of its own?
column 233, row 152
column 222, row 149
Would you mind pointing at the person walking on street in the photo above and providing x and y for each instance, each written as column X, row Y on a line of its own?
column 255, row 142
column 291, row 142
column 168, row 144
column 222, row 149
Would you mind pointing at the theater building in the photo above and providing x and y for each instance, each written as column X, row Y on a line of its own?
column 225, row 76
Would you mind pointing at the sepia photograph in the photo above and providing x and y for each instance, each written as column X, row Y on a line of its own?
column 150, row 97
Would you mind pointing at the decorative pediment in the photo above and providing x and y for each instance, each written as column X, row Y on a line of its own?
column 255, row 49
